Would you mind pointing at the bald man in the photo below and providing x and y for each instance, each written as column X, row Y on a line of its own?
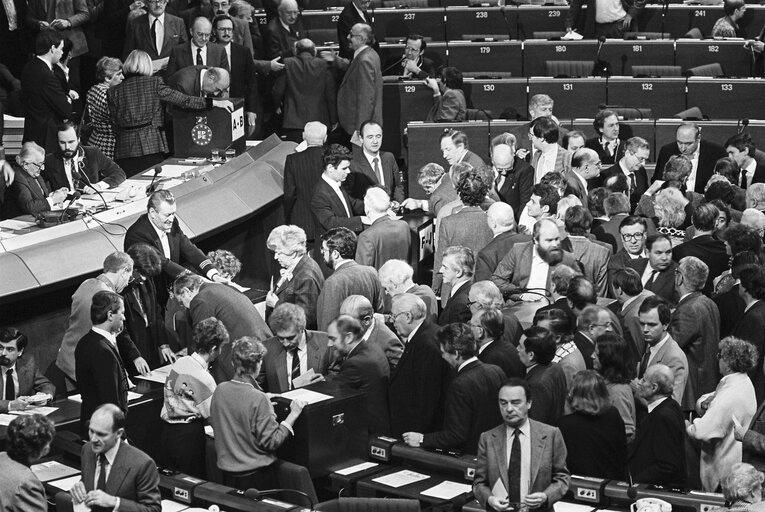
column 199, row 52
column 284, row 30
column 585, row 165
column 703, row 155
column 386, row 238
column 501, row 220
column 513, row 177
column 201, row 81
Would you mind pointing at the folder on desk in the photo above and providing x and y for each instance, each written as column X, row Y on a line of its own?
column 53, row 470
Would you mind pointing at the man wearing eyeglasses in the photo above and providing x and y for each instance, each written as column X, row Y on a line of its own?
column 284, row 31
column 200, row 52
column 32, row 193
column 593, row 321
column 414, row 62
column 632, row 165
column 702, row 154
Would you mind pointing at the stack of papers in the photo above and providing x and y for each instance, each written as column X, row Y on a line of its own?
column 400, row 478
column 447, row 490
column 157, row 375
column 65, row 484
column 44, row 410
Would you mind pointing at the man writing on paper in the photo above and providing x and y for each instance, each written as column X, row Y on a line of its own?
column 522, row 462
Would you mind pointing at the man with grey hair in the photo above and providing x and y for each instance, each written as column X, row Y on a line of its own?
column 415, row 395
column 513, row 177
column 501, row 221
column 201, row 81
column 632, row 166
column 754, row 218
column 585, row 165
column 284, row 31
column 199, row 51
column 374, row 330
column 658, row 453
column 695, row 326
column 396, row 276
column 32, row 194
column 755, row 196
column 457, row 271
column 484, row 295
column 704, row 245
column 386, row 238
column 300, row 177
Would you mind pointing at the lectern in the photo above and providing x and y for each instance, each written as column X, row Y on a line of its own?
column 198, row 132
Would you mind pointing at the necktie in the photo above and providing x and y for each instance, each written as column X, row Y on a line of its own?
column 499, row 181
column 102, row 464
column 376, row 166
column 651, row 278
column 644, row 362
column 199, row 57
column 295, row 372
column 154, row 35
column 514, row 470
column 743, row 179
column 633, row 184
column 10, row 387
column 39, row 184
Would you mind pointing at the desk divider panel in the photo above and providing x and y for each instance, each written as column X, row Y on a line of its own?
column 735, row 60
column 538, row 18
column 488, row 57
column 429, row 22
column 321, row 20
column 497, row 95
column 536, row 53
column 665, row 97
column 727, row 99
column 481, row 20
column 574, row 97
column 622, row 55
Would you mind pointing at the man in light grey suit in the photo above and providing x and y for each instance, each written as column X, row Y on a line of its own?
column 359, row 97
column 548, row 476
column 386, row 238
column 592, row 255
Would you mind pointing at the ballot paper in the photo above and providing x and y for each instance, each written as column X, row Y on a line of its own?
column 209, row 432
column 306, row 395
column 355, row 469
column 157, row 375
column 66, row 484
column 447, row 490
column 53, row 470
column 131, row 396
column 400, row 478
column 564, row 506
column 572, row 36
column 173, row 506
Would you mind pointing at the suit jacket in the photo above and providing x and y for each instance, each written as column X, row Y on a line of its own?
column 709, row 250
column 663, row 284
column 306, row 89
column 281, row 42
column 237, row 313
column 548, row 473
column 522, row 140
column 731, row 307
column 31, row 380
column 605, row 158
column 187, row 80
column 515, row 268
column 427, row 295
column 658, row 452
column 467, row 227
column 442, row 195
column 359, row 97
column 505, row 355
column 583, row 20
column 574, row 186
column 517, row 187
column 76, row 12
column 709, row 153
column 388, row 342
column 138, row 36
column 586, row 346
column 488, row 258
column 549, row 389
column 673, row 356
column 20, row 489
column 183, row 55
column 594, row 258
column 457, row 308
column 363, row 176
column 754, row 440
column 348, row 18
column 95, row 166
column 133, row 478
column 101, row 376
column 244, row 78
column 562, row 161
column 273, row 376
column 350, row 279
column 641, row 181
column 366, row 369
column 695, row 326
column 415, row 394
column 29, row 199
column 328, row 211
column 46, row 104
column 633, row 333
column 302, row 171
column 608, row 232
column 470, row 408
column 751, row 328
column 303, row 289
column 384, row 240
column 450, row 107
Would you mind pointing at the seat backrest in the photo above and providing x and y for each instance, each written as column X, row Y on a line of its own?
column 654, row 70
column 569, row 68
column 694, row 33
column 548, row 34
column 482, row 74
column 294, row 476
column 714, row 69
column 322, row 35
column 474, row 114
column 368, row 505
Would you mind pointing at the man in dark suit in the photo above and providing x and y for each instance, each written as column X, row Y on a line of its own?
column 12, row 19
column 46, row 102
column 302, row 171
column 200, row 80
column 363, row 367
column 751, row 326
column 21, row 378
column 488, row 325
column 470, row 407
column 455, row 149
column 609, row 147
column 498, row 467
column 331, row 206
column 657, row 272
column 549, row 156
column 371, row 167
column 100, row 371
column 353, row 13
column 415, row 394
column 457, row 271
column 703, row 156
column 658, row 453
column 359, row 97
column 593, row 321
column 545, row 378
column 704, row 246
column 742, row 150
column 155, row 33
column 501, row 220
column 77, row 167
column 630, row 295
column 374, row 330
column 385, row 238
column 200, row 52
column 414, row 64
column 338, row 247
column 305, row 91
column 30, row 192
column 513, row 177
column 127, row 477
column 233, row 308
column 585, row 165
column 284, row 31
column 632, row 165
column 695, row 326
column 296, row 356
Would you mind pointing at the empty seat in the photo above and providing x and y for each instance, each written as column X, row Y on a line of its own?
column 476, row 114
column 714, row 69
column 653, row 70
column 569, row 68
column 548, row 34
column 628, row 113
column 322, row 35
column 485, row 37
column 694, row 33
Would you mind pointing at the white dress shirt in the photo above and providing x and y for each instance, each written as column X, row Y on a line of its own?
column 159, row 29
column 537, row 278
column 690, row 183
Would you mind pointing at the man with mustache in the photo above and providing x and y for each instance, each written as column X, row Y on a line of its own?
column 21, row 377
column 528, row 265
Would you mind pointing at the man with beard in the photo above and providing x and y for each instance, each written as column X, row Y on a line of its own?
column 78, row 167
column 658, row 271
column 528, row 265
column 21, row 378
column 702, row 154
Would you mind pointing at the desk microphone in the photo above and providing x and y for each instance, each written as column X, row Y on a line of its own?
column 152, row 187
column 743, row 123
column 69, row 197
column 397, row 63
column 254, row 494
column 80, row 175
column 600, row 67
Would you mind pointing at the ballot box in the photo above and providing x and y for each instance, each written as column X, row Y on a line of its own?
column 329, row 432
column 199, row 132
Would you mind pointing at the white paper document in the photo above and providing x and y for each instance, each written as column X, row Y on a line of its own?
column 306, row 395
column 35, row 410
column 209, row 432
column 400, row 478
column 572, row 36
column 157, row 375
column 53, row 470
column 447, row 490
column 131, row 396
column 66, row 484
column 173, row 506
column 170, row 171
column 499, row 491
column 564, row 506
column 6, row 419
column 355, row 469
column 16, row 224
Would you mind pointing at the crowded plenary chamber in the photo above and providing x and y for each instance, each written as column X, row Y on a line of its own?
column 382, row 255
